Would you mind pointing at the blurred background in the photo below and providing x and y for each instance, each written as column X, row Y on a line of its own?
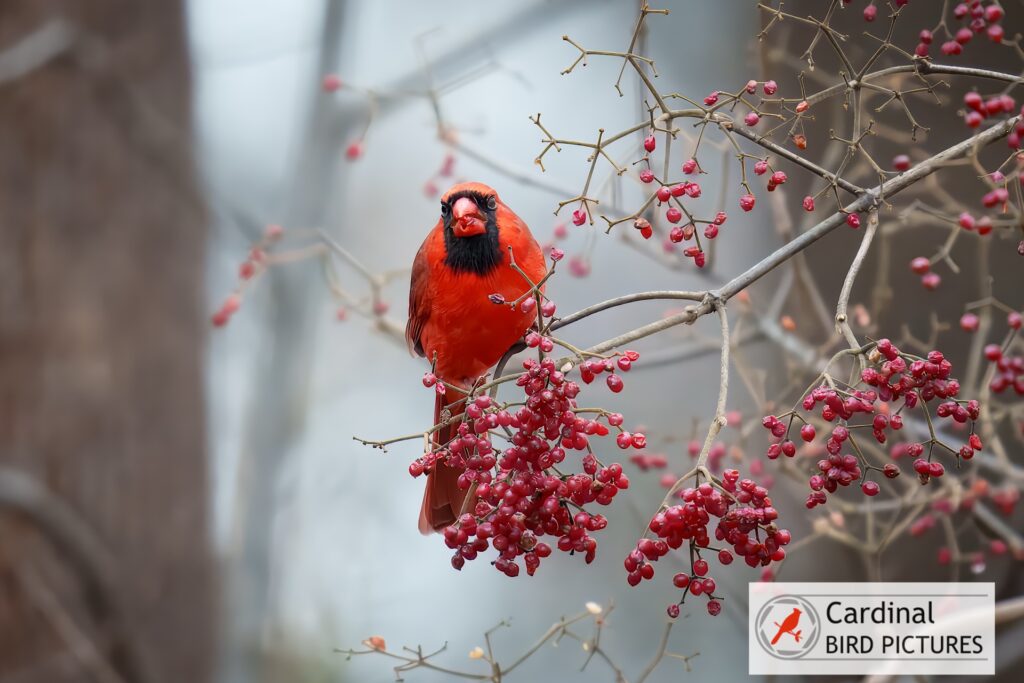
column 186, row 503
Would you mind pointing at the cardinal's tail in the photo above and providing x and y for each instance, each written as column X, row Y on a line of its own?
column 443, row 499
column 777, row 635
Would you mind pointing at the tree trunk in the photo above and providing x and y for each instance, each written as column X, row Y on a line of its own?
column 105, row 570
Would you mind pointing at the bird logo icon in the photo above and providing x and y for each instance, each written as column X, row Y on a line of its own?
column 787, row 626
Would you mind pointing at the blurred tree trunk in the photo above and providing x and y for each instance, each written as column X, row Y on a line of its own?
column 105, row 569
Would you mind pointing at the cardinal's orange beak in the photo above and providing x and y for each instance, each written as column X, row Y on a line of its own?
column 467, row 220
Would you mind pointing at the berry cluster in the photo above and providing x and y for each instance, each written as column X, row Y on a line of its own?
column 746, row 523
column 976, row 16
column 1009, row 370
column 671, row 195
column 979, row 108
column 521, row 497
column 255, row 264
column 892, row 377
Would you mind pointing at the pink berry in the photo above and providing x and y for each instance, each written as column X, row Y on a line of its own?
column 331, row 83
column 931, row 281
column 354, row 150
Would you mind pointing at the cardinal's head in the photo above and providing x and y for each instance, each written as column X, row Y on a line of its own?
column 472, row 215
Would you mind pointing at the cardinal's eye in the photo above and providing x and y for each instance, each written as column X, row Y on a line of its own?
column 445, row 209
column 492, row 203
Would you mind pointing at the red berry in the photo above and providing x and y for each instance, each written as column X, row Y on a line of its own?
column 853, row 220
column 354, row 150
column 808, row 203
column 747, row 202
column 331, row 83
column 969, row 322
column 920, row 265
column 869, row 488
column 901, row 162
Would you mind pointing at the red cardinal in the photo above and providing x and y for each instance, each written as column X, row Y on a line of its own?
column 787, row 626
column 464, row 260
